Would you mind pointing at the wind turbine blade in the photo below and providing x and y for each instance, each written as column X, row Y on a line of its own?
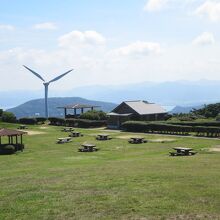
column 59, row 77
column 36, row 74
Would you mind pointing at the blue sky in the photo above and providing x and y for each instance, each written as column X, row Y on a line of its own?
column 108, row 42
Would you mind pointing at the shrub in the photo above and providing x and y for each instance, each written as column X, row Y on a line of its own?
column 57, row 121
column 84, row 123
column 94, row 115
column 28, row 121
column 8, row 117
column 211, row 110
column 167, row 117
column 206, row 124
column 136, row 126
column 1, row 112
column 218, row 117
column 7, row 149
column 40, row 120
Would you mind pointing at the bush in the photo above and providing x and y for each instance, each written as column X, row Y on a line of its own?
column 7, row 149
column 136, row 126
column 1, row 112
column 84, row 123
column 75, row 122
column 165, row 128
column 40, row 120
column 94, row 115
column 57, row 121
column 218, row 117
column 28, row 121
column 209, row 111
column 206, row 124
column 8, row 117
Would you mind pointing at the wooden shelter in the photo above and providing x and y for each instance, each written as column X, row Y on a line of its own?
column 77, row 108
column 135, row 110
column 13, row 137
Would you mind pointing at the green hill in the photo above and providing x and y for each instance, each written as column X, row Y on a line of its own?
column 36, row 107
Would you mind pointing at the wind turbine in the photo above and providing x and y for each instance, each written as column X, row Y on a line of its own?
column 46, row 85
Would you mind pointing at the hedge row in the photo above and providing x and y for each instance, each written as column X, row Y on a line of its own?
column 136, row 126
column 32, row 121
column 82, row 123
column 206, row 124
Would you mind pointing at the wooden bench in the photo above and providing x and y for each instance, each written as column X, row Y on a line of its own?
column 75, row 134
column 63, row 140
column 182, row 151
column 137, row 140
column 22, row 127
column 68, row 129
column 103, row 137
column 88, row 148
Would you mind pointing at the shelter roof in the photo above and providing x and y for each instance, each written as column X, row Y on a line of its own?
column 79, row 106
column 10, row 132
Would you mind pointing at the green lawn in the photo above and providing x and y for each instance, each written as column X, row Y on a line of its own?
column 121, row 181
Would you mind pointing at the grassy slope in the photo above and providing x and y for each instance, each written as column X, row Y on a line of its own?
column 121, row 181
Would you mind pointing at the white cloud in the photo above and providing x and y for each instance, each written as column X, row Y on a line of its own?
column 82, row 38
column 6, row 27
column 155, row 5
column 98, row 64
column 159, row 5
column 210, row 9
column 205, row 38
column 139, row 48
column 45, row 26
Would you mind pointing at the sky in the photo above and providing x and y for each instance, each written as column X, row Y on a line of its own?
column 108, row 42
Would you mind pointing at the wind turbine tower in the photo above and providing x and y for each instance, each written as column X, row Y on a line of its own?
column 46, row 85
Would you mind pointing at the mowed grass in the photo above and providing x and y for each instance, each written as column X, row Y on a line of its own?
column 120, row 181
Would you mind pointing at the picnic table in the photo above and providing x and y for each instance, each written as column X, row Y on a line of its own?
column 22, row 127
column 75, row 134
column 67, row 129
column 63, row 140
column 182, row 151
column 103, row 137
column 88, row 147
column 137, row 140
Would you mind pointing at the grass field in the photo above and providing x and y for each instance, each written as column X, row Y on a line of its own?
column 121, row 181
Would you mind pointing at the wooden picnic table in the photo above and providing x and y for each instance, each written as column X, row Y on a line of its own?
column 136, row 140
column 182, row 151
column 75, row 134
column 88, row 147
column 68, row 129
column 63, row 140
column 103, row 137
column 22, row 127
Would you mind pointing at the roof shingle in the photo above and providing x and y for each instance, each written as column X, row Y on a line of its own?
column 145, row 108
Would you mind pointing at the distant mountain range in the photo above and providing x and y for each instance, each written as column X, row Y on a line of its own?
column 182, row 93
column 36, row 107
column 182, row 109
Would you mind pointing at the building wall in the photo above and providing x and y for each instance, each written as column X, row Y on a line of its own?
column 115, row 122
column 153, row 117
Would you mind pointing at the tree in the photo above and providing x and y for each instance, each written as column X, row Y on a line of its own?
column 209, row 111
column 94, row 115
column 8, row 117
column 1, row 112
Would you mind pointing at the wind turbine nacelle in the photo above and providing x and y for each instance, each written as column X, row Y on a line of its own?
column 46, row 84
